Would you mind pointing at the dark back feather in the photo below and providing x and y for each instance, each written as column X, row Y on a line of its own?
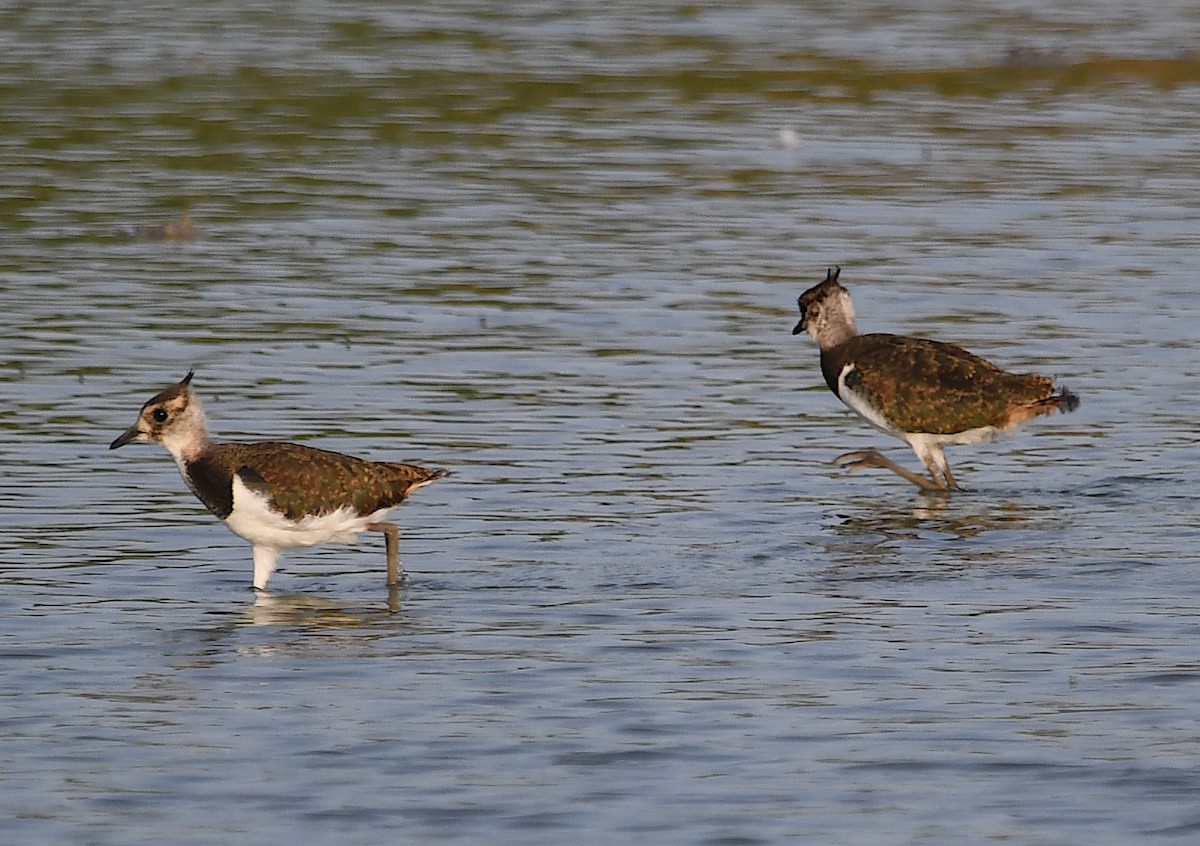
column 303, row 480
column 930, row 386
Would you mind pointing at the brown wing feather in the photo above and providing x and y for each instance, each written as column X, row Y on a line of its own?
column 929, row 386
column 296, row 477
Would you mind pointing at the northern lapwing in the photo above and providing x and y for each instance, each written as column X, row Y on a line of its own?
column 278, row 495
column 927, row 393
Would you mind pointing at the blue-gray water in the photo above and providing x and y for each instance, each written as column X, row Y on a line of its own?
column 555, row 248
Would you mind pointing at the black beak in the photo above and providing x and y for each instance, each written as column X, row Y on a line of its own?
column 799, row 327
column 125, row 437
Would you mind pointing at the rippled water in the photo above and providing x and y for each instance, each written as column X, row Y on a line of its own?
column 555, row 248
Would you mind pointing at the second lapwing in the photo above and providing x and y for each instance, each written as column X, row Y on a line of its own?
column 927, row 393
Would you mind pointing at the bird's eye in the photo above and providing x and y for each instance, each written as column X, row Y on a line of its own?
column 160, row 415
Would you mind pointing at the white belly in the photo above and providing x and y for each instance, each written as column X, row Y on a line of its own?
column 253, row 520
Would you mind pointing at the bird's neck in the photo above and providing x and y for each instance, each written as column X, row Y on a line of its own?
column 188, row 440
column 836, row 324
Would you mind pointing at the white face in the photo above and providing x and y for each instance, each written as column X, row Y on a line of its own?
column 173, row 419
column 829, row 315
column 159, row 420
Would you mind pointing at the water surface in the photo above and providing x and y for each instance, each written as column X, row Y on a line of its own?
column 556, row 250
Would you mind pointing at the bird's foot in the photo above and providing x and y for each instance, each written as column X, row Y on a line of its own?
column 864, row 459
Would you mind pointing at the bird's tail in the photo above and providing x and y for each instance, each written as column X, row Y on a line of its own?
column 1063, row 401
column 427, row 477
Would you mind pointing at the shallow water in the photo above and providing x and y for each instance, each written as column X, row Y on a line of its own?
column 556, row 250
